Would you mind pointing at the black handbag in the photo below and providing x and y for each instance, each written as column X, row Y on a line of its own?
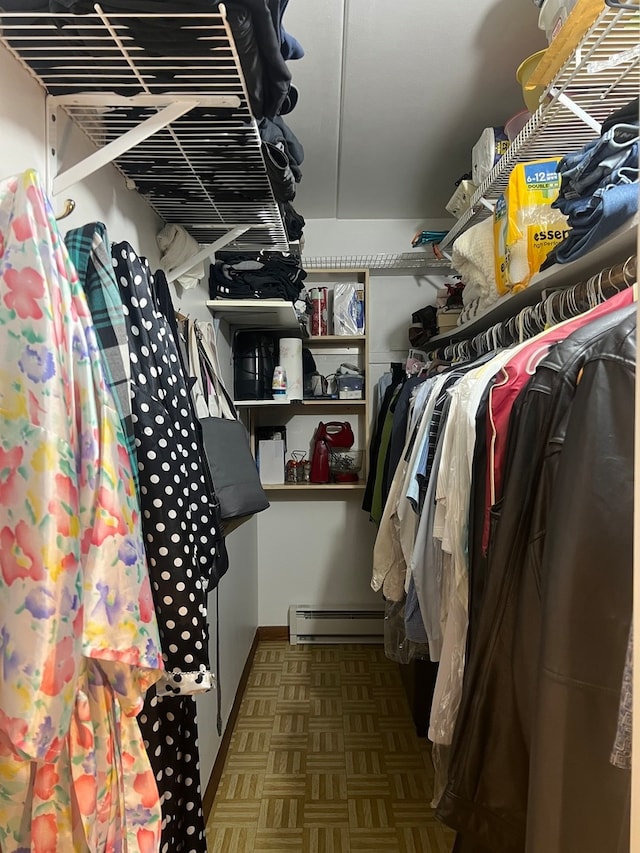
column 226, row 442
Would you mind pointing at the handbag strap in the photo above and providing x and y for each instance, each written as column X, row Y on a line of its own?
column 201, row 399
column 208, row 353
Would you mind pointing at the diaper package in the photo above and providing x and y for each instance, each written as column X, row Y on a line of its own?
column 526, row 228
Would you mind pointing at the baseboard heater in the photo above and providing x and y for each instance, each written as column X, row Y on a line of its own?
column 336, row 624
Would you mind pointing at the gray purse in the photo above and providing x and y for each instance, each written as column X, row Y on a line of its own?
column 226, row 442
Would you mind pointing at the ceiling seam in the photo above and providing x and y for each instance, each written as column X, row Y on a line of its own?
column 343, row 63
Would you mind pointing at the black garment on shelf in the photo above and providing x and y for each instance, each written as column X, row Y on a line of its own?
column 293, row 221
column 626, row 114
column 279, row 172
column 267, row 276
column 266, row 74
column 425, row 326
column 488, row 801
column 275, row 131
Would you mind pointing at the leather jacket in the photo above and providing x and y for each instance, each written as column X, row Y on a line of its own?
column 489, row 795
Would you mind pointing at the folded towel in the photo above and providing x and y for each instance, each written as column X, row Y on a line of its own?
column 473, row 257
column 177, row 246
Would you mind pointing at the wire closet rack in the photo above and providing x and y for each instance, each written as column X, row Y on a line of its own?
column 163, row 98
column 600, row 76
column 419, row 262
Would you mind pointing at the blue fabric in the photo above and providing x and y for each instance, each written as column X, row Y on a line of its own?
column 290, row 47
column 413, row 622
column 609, row 208
column 583, row 170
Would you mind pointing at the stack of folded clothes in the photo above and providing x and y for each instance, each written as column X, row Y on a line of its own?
column 269, row 275
column 599, row 189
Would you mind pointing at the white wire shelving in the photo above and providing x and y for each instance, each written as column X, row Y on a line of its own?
column 418, row 261
column 164, row 99
column 602, row 75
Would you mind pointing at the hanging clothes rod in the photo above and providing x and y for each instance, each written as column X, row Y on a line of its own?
column 558, row 306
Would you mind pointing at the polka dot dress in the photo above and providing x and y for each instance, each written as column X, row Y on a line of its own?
column 180, row 540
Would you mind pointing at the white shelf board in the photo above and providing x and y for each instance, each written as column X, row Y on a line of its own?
column 616, row 249
column 255, row 313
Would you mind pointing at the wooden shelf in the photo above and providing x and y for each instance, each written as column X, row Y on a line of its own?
column 313, row 487
column 250, row 404
column 332, row 340
column 256, row 313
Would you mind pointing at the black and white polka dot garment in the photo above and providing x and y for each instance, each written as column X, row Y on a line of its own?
column 180, row 541
column 177, row 518
column 170, row 731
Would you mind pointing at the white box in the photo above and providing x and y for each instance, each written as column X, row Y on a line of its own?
column 461, row 199
column 271, row 455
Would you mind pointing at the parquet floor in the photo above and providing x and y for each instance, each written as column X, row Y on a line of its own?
column 324, row 759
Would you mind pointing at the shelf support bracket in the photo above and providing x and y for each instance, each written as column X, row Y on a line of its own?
column 490, row 205
column 206, row 252
column 111, row 150
column 583, row 115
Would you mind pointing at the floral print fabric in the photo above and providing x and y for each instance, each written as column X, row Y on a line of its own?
column 79, row 642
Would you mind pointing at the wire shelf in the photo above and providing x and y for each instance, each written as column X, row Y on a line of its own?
column 110, row 74
column 601, row 76
column 401, row 261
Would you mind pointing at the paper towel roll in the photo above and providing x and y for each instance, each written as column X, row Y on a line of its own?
column 291, row 360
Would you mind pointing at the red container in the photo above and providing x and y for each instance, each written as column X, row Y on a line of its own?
column 319, row 302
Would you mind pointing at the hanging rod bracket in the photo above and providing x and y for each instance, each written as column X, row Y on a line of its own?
column 206, row 252
column 571, row 105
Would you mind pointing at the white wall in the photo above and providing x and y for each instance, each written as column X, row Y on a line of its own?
column 365, row 236
column 317, row 550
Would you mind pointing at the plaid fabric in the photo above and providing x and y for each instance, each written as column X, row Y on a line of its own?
column 91, row 256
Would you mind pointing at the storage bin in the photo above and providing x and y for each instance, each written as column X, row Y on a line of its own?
column 461, row 199
column 552, row 16
column 515, row 124
column 531, row 94
column 448, row 320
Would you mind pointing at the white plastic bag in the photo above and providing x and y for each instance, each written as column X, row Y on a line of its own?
column 348, row 309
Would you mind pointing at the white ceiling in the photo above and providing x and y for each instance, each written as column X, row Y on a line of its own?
column 394, row 95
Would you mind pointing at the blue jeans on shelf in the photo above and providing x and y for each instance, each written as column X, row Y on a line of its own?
column 605, row 211
column 583, row 170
